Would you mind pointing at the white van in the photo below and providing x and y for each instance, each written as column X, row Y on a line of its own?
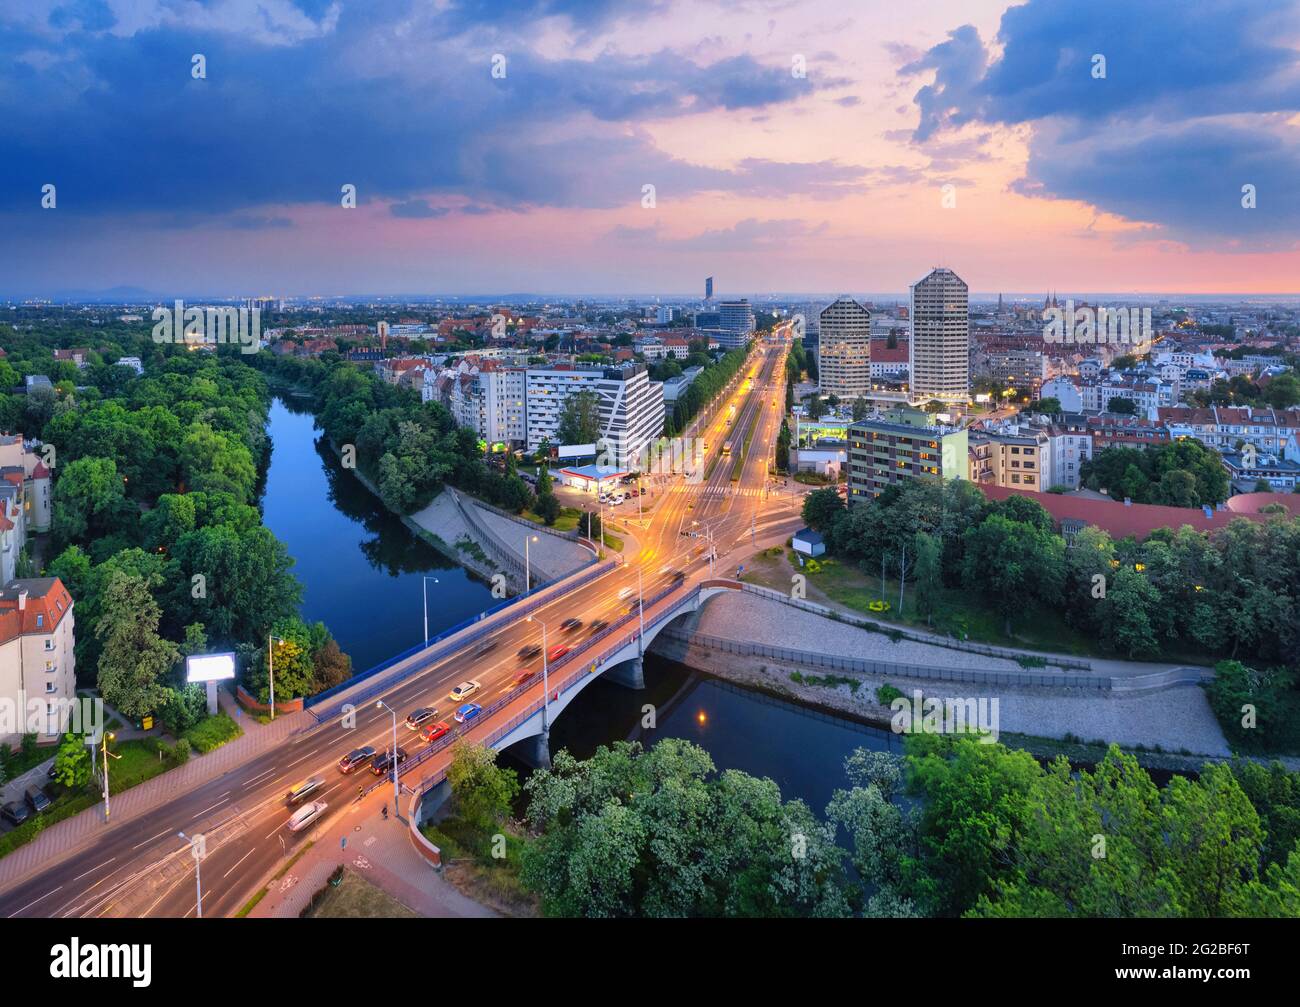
column 305, row 815
column 626, row 593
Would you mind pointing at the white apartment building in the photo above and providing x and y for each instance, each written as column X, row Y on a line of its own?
column 37, row 662
column 631, row 408
column 844, row 350
column 490, row 398
column 1068, row 448
column 1147, row 395
column 939, row 348
column 1270, row 431
column 736, row 323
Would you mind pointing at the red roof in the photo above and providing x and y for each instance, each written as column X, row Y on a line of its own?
column 53, row 604
column 1139, row 520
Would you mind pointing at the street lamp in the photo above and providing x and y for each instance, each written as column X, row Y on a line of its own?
column 108, row 736
column 270, row 668
column 546, row 683
column 528, row 577
column 397, row 794
column 198, row 848
column 425, row 584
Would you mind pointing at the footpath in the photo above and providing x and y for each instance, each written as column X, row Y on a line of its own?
column 379, row 850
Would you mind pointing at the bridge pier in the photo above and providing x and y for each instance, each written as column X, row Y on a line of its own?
column 535, row 751
column 630, row 674
column 431, row 802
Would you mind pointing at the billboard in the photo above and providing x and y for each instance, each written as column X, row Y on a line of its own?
column 209, row 667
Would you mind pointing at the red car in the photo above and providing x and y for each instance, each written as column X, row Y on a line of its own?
column 432, row 732
column 523, row 677
column 556, row 652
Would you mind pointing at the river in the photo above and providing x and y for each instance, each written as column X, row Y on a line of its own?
column 361, row 569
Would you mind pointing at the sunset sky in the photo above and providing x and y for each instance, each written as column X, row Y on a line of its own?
column 533, row 182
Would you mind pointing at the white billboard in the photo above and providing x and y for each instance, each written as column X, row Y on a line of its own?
column 209, row 667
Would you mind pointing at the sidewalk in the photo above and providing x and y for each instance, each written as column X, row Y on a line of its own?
column 73, row 834
column 378, row 850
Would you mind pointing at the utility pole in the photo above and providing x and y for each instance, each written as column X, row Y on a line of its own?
column 108, row 736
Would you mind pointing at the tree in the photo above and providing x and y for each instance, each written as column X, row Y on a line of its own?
column 89, row 501
column 182, row 708
column 580, row 418
column 483, row 791
column 134, row 658
column 816, row 406
column 1011, row 561
column 821, row 509
column 928, row 575
column 861, row 409
column 72, row 763
column 1121, row 405
column 330, row 666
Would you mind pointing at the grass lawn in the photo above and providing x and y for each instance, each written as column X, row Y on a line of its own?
column 567, row 521
column 355, row 898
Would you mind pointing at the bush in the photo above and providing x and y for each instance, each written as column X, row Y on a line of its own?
column 886, row 694
column 1239, row 693
column 212, row 732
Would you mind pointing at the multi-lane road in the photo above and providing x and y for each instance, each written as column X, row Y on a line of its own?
column 142, row 867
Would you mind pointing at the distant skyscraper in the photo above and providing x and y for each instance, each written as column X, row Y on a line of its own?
column 736, row 322
column 844, row 349
column 708, row 288
column 939, row 350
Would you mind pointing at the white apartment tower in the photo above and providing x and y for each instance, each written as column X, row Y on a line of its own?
column 844, row 349
column 631, row 408
column 939, row 350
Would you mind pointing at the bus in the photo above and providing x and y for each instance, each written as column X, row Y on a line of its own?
column 726, row 447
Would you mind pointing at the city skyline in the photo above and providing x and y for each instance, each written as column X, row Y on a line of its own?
column 789, row 148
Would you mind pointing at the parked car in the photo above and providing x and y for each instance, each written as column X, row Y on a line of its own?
column 305, row 815
column 434, row 731
column 304, row 790
column 556, row 652
column 418, row 718
column 36, row 799
column 355, row 758
column 569, row 625
column 530, row 652
column 464, row 690
column 383, row 765
column 14, row 813
column 468, row 712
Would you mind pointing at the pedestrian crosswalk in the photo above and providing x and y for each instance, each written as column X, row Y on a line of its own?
column 723, row 491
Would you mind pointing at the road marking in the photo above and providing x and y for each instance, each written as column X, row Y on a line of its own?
column 240, row 861
column 94, row 869
column 217, row 805
column 258, row 777
column 34, row 901
column 164, row 832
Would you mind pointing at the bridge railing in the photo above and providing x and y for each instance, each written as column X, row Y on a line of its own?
column 437, row 648
column 503, row 730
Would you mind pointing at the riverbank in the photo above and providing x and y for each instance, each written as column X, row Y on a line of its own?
column 1175, row 720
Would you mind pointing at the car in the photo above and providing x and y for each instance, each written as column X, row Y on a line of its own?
column 626, row 593
column 418, row 718
column 556, row 652
column 382, row 765
column 304, row 790
column 432, row 732
column 468, row 712
column 485, row 647
column 569, row 625
column 530, row 652
column 679, row 576
column 355, row 758
column 305, row 815
column 36, row 799
column 464, row 690
column 666, row 568
column 524, row 677
column 598, row 625
column 14, row 813
column 603, row 498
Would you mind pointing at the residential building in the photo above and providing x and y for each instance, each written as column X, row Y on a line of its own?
column 889, row 363
column 490, row 398
column 1246, row 470
column 37, row 662
column 1016, row 456
column 939, row 348
column 631, row 408
column 1227, row 428
column 1069, row 445
column 17, row 455
column 902, row 444
column 844, row 349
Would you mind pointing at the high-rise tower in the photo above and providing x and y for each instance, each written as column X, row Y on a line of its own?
column 939, row 350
